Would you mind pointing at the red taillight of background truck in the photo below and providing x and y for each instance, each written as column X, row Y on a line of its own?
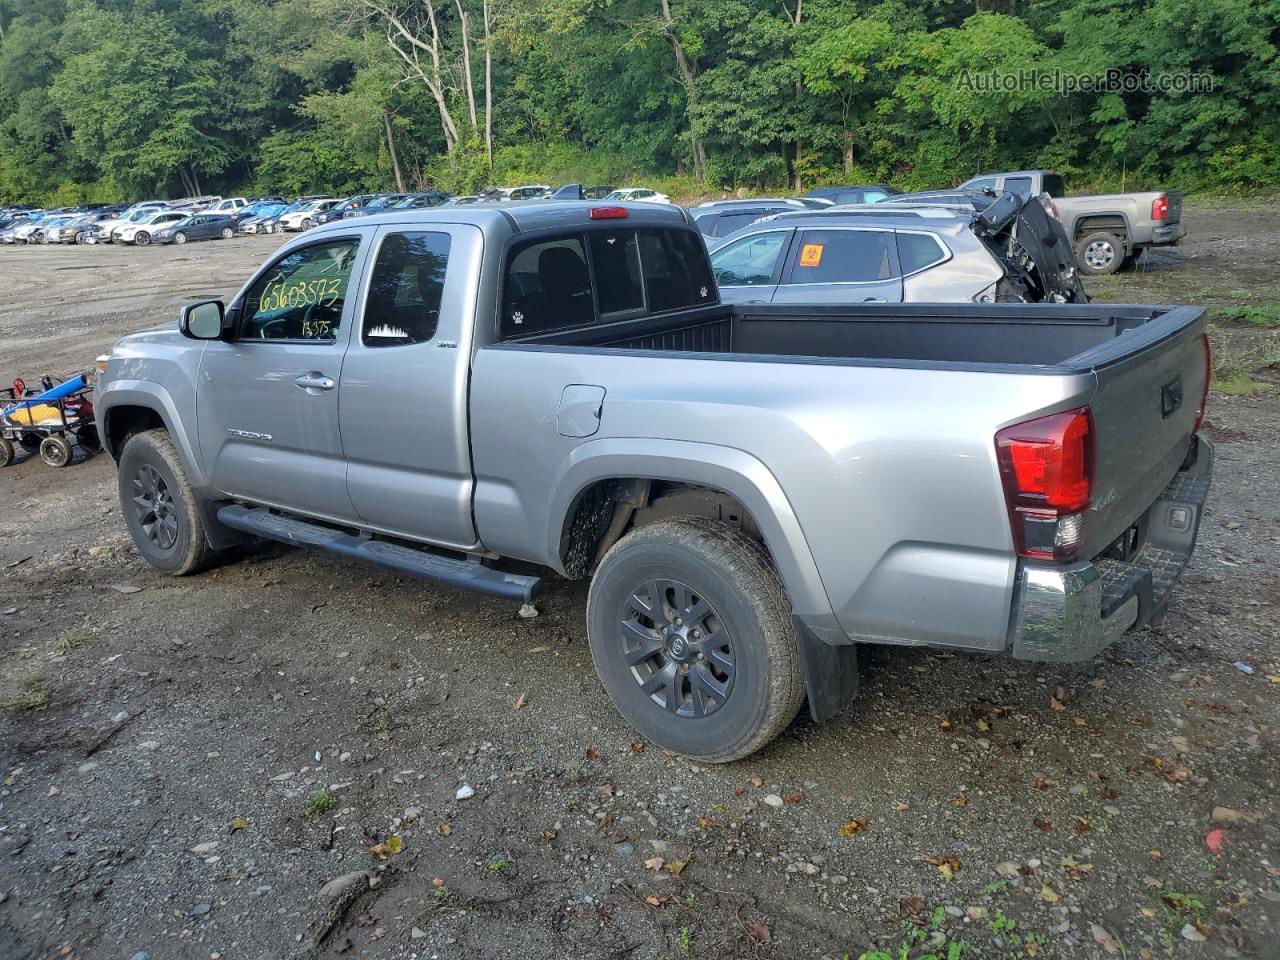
column 1046, row 466
column 1160, row 207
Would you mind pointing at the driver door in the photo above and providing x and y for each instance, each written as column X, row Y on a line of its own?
column 267, row 403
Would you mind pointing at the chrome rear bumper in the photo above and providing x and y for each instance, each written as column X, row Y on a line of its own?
column 1069, row 613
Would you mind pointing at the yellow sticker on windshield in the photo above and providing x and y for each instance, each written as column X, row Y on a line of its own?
column 811, row 254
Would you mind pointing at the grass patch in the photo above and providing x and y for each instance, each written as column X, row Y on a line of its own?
column 32, row 693
column 1267, row 317
column 73, row 640
column 322, row 801
column 1239, row 384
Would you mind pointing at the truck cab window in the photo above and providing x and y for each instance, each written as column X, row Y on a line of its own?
column 615, row 259
column 302, row 294
column 547, row 287
column 1018, row 185
column 675, row 270
column 405, row 289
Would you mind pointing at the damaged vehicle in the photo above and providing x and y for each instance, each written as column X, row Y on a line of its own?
column 753, row 492
column 1010, row 251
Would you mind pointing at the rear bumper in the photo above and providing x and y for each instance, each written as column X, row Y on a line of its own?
column 1069, row 613
column 1167, row 234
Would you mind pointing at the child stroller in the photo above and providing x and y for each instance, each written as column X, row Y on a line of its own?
column 45, row 420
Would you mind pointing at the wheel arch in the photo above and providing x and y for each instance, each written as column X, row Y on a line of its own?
column 603, row 475
column 125, row 407
column 1106, row 221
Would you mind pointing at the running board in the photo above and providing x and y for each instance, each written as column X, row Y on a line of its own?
column 413, row 562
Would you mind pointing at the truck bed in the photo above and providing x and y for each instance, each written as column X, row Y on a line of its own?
column 1064, row 336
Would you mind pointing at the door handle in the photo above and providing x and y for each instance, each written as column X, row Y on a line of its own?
column 873, row 300
column 315, row 381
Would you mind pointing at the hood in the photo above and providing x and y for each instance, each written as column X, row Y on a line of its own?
column 1033, row 247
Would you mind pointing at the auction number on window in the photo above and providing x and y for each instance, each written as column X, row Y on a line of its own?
column 302, row 293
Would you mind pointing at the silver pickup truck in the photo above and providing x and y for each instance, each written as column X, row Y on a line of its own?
column 1108, row 230
column 458, row 393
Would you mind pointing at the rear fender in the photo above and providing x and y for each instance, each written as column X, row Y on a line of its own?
column 734, row 472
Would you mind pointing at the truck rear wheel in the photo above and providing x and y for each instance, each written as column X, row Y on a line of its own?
column 1099, row 253
column 159, row 505
column 692, row 637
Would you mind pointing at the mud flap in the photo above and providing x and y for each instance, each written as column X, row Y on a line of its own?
column 830, row 673
column 218, row 535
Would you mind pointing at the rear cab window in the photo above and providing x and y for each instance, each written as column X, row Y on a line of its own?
column 571, row 281
column 1054, row 185
column 1019, row 186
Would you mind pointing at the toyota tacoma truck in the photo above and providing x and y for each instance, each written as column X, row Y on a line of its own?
column 1108, row 230
column 753, row 490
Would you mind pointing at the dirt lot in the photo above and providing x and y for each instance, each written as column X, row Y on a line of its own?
column 184, row 764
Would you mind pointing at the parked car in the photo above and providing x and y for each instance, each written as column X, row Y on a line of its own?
column 304, row 218
column 265, row 217
column 719, row 219
column 255, row 209
column 104, row 231
column 1108, row 231
column 200, row 226
column 637, row 195
column 901, row 253
column 36, row 230
column 339, row 211
column 463, row 200
column 87, row 231
column 752, row 492
column 229, row 205
column 66, row 229
column 867, row 193
column 532, row 191
column 379, row 204
column 417, row 201
column 141, row 232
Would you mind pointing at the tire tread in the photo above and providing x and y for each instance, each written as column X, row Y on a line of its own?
column 749, row 564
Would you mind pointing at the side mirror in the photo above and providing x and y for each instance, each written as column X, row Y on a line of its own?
column 202, row 321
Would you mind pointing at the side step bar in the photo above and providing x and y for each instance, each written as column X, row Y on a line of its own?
column 463, row 574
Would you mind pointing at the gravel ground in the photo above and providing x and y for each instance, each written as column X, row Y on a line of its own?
column 287, row 757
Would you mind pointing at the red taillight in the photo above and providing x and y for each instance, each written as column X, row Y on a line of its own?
column 1208, row 375
column 1046, row 465
column 1160, row 207
column 608, row 213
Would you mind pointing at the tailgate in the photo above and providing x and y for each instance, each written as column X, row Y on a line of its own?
column 1151, row 382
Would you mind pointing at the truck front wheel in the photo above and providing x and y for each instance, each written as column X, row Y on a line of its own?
column 692, row 637
column 159, row 504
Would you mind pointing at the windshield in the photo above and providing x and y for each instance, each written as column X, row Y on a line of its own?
column 618, row 195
